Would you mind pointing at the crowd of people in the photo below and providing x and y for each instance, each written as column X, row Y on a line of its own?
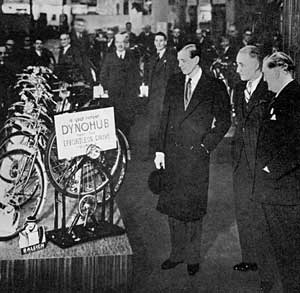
column 184, row 101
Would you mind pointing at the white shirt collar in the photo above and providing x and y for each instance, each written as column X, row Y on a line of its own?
column 284, row 85
column 254, row 83
column 121, row 54
column 66, row 48
column 109, row 42
column 162, row 52
column 195, row 79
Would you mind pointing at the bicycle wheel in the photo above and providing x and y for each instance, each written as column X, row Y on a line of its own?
column 24, row 139
column 64, row 174
column 78, row 176
column 22, row 190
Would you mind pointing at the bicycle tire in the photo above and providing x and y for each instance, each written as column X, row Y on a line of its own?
column 23, row 189
column 21, row 138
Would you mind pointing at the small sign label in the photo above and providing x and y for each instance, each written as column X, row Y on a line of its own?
column 75, row 132
column 32, row 238
column 33, row 248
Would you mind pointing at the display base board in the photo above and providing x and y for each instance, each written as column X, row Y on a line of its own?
column 102, row 265
column 81, row 234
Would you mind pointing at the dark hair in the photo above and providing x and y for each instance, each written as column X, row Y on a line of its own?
column 193, row 48
column 162, row 35
column 39, row 38
column 253, row 52
column 280, row 59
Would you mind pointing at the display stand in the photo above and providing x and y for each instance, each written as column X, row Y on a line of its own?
column 103, row 265
column 66, row 237
column 94, row 134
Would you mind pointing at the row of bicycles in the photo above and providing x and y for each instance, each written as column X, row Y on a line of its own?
column 29, row 159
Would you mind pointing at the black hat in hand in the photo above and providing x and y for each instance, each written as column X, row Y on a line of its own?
column 155, row 181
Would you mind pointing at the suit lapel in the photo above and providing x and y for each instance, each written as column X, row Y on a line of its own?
column 197, row 96
column 256, row 98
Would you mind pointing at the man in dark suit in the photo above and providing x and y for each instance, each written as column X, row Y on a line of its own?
column 247, row 39
column 208, row 50
column 251, row 98
column 277, row 170
column 69, row 67
column 120, row 77
column 186, row 138
column 40, row 56
column 132, row 36
column 146, row 39
column 227, row 56
column 110, row 42
column 161, row 66
column 79, row 36
column 176, row 41
column 227, row 52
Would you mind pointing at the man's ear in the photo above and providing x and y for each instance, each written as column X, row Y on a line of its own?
column 198, row 59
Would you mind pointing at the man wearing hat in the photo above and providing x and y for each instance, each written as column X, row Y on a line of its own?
column 186, row 138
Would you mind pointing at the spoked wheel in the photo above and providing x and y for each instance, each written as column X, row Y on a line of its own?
column 83, row 175
column 14, row 139
column 21, row 138
column 22, row 190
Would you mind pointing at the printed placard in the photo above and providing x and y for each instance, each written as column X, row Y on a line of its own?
column 76, row 131
column 32, row 238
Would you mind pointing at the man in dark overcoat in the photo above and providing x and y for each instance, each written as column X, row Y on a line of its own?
column 251, row 98
column 187, row 136
column 120, row 77
column 161, row 66
column 277, row 173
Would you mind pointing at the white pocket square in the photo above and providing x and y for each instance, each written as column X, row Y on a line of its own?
column 273, row 117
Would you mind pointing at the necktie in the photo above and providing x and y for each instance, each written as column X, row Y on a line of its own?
column 157, row 57
column 187, row 93
column 156, row 60
column 248, row 91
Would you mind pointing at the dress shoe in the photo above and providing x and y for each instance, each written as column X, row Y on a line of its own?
column 193, row 269
column 168, row 264
column 245, row 267
column 266, row 287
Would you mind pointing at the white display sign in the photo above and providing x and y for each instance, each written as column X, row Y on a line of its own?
column 76, row 131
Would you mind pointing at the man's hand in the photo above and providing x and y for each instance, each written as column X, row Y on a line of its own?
column 159, row 160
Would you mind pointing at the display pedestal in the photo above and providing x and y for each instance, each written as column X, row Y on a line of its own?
column 103, row 265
